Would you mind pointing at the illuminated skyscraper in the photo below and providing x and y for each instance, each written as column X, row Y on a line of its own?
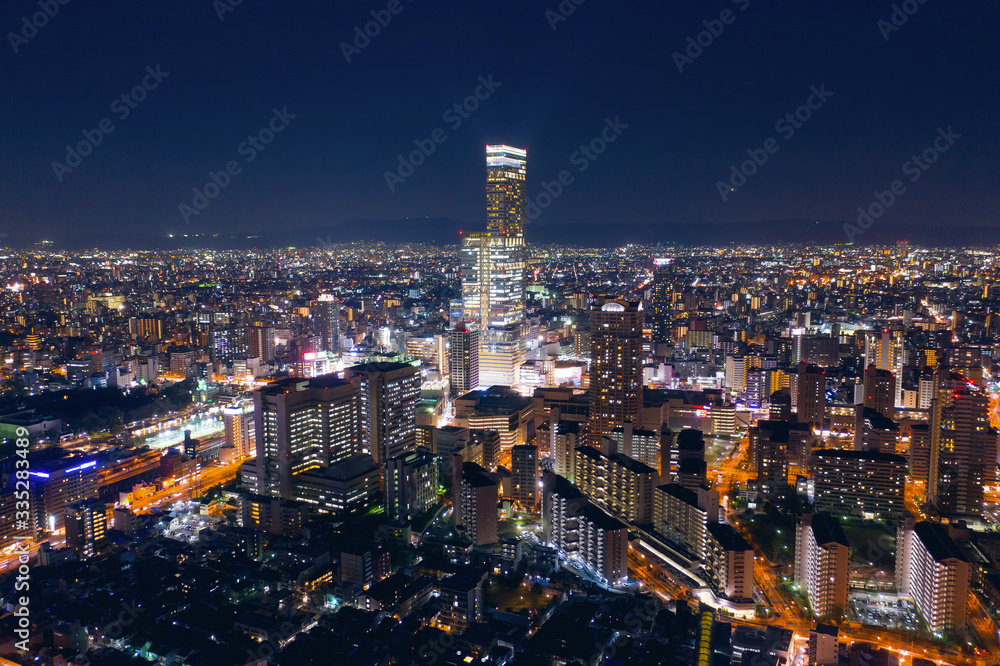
column 963, row 446
column 463, row 357
column 494, row 261
column 389, row 394
column 303, row 424
column 615, row 365
column 505, row 174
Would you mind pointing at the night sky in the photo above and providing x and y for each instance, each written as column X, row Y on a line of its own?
column 892, row 89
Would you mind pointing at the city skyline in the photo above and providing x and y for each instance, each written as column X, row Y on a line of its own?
column 287, row 130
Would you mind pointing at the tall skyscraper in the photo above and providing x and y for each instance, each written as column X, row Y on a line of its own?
column 661, row 294
column 505, row 198
column 463, row 360
column 811, row 398
column 493, row 276
column 615, row 365
column 963, row 446
column 303, row 424
column 327, row 315
column 880, row 391
column 494, row 261
column 389, row 394
column 411, row 482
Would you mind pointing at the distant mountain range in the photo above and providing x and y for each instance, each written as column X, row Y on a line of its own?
column 447, row 231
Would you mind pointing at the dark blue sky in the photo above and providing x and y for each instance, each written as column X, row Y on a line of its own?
column 557, row 87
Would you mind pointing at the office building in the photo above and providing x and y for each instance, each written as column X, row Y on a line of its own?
column 55, row 484
column 501, row 355
column 343, row 489
column 501, row 409
column 411, row 484
column 822, row 560
column 932, row 570
column 326, row 316
column 463, row 360
column 615, row 365
column 303, row 424
column 505, row 184
column 863, row 484
column 240, row 430
column 86, row 527
column 582, row 530
column 963, row 447
column 389, row 395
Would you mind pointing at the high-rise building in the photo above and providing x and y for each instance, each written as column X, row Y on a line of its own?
column 86, row 527
column 505, row 183
column 865, row 484
column 493, row 279
column 932, row 569
column 476, row 508
column 240, row 430
column 822, row 558
column 729, row 562
column 303, row 424
column 963, row 446
column 501, row 355
column 880, row 391
column 564, row 437
column 411, row 483
column 524, row 474
column 661, row 297
column 641, row 445
column 494, row 262
column 463, row 360
column 582, row 530
column 260, row 343
column 621, row 486
column 389, row 394
column 682, row 515
column 811, row 403
column 327, row 316
column 615, row 365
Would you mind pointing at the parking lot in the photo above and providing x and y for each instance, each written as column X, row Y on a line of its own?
column 884, row 610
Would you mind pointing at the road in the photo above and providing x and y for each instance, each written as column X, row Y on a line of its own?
column 211, row 475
